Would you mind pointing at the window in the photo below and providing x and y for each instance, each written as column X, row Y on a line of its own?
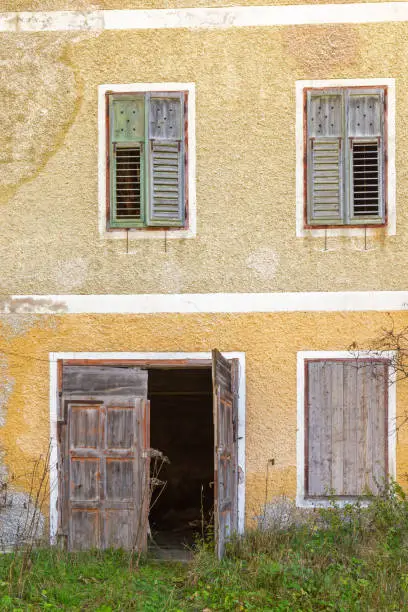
column 345, row 156
column 147, row 156
column 345, row 427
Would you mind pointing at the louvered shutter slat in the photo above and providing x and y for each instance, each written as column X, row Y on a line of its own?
column 166, row 157
column 325, row 159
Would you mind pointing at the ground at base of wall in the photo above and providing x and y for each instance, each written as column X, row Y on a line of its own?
column 354, row 559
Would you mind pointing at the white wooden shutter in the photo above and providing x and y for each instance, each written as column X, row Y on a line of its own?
column 325, row 166
column 166, row 160
column 365, row 130
column 346, row 432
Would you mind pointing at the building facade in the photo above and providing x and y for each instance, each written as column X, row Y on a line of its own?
column 179, row 180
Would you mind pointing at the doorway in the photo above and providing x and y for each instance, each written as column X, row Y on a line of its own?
column 87, row 483
column 181, row 427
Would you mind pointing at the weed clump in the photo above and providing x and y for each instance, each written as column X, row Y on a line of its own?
column 345, row 558
column 341, row 557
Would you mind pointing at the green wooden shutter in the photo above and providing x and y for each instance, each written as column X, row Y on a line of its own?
column 325, row 167
column 365, row 130
column 127, row 165
column 166, row 160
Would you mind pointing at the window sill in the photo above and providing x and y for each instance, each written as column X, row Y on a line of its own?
column 320, row 502
column 352, row 231
column 147, row 234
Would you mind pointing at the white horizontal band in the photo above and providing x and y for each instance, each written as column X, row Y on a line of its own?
column 228, row 17
column 190, row 303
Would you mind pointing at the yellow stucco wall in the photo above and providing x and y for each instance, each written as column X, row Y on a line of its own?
column 245, row 84
column 270, row 341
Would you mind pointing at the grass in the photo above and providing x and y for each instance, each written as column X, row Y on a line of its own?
column 336, row 559
column 87, row 581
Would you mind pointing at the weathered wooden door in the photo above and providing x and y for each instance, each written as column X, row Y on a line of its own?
column 103, row 435
column 225, row 402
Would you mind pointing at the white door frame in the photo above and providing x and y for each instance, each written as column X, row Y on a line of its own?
column 115, row 356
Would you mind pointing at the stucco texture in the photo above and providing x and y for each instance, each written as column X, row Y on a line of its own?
column 245, row 85
column 270, row 341
column 82, row 5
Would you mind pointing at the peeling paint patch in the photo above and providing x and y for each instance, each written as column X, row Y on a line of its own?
column 19, row 520
column 263, row 262
column 31, row 305
column 60, row 20
column 363, row 243
column 171, row 276
column 281, row 513
column 6, row 389
column 328, row 47
column 19, row 324
column 72, row 274
column 38, row 96
column 18, row 517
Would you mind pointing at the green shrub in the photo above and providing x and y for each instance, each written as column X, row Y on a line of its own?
column 353, row 557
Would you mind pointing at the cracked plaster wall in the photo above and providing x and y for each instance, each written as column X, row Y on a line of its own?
column 17, row 511
column 245, row 130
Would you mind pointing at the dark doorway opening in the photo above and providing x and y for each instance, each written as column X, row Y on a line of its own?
column 181, row 427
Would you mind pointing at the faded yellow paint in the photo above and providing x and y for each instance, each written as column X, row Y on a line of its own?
column 270, row 341
column 40, row 96
column 245, row 84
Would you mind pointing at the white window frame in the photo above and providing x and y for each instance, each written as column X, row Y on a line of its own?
column 302, row 356
column 140, row 233
column 390, row 195
column 54, row 358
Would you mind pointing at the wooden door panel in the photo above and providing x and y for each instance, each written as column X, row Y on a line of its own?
column 120, row 480
column 225, row 380
column 84, row 529
column 84, row 479
column 119, row 427
column 84, row 426
column 226, row 496
column 119, row 528
column 225, row 526
column 142, row 475
column 91, row 380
